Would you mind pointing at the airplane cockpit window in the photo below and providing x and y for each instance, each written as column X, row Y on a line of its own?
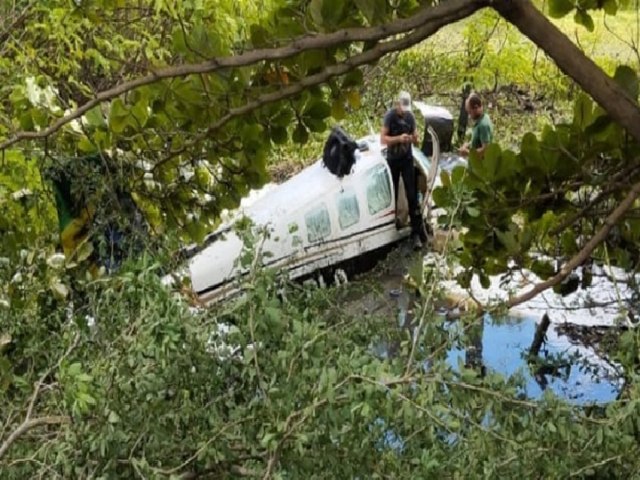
column 318, row 223
column 378, row 189
column 348, row 209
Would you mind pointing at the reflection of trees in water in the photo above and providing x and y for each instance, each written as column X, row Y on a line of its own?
column 473, row 352
column 603, row 341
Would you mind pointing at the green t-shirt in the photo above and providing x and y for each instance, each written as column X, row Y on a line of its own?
column 482, row 132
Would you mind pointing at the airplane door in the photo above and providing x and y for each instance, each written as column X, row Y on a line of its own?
column 429, row 170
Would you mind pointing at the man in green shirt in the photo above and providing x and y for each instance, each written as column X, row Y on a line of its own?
column 482, row 131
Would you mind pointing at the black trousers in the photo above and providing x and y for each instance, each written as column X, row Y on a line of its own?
column 404, row 166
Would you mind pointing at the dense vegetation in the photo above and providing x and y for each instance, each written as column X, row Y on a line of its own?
column 114, row 376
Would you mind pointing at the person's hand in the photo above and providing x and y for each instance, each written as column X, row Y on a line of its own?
column 405, row 138
column 464, row 150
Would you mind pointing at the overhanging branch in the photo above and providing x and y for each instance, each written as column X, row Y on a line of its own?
column 583, row 254
column 573, row 62
column 444, row 13
column 369, row 56
column 28, row 425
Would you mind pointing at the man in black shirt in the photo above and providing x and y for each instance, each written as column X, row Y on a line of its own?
column 399, row 133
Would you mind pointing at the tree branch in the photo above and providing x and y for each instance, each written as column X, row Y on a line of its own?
column 443, row 13
column 612, row 186
column 17, row 22
column 28, row 425
column 583, row 254
column 351, row 63
column 573, row 62
column 236, row 470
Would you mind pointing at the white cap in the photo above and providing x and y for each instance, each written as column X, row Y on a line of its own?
column 404, row 99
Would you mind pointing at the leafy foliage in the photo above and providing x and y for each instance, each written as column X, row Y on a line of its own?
column 551, row 196
column 115, row 377
column 281, row 383
column 183, row 143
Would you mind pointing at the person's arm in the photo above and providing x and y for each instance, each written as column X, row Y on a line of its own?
column 386, row 139
column 414, row 133
column 464, row 150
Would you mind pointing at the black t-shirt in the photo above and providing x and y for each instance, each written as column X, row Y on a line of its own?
column 398, row 124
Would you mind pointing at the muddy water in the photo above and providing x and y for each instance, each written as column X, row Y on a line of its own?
column 563, row 366
column 570, row 370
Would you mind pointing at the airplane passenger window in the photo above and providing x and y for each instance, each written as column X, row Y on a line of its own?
column 348, row 210
column 318, row 223
column 378, row 189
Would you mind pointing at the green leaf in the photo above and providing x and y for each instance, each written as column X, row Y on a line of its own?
column 559, row 8
column 315, row 10
column 95, row 118
column 627, row 78
column 74, row 369
column 458, row 174
column 118, row 116
column 260, row 36
column 583, row 18
column 337, row 109
column 282, row 118
column 278, row 134
column 196, row 230
column 490, row 164
column 550, row 144
column 86, row 146
column 140, row 112
column 530, row 150
column 84, row 251
column 59, row 289
column 485, row 281
column 315, row 125
column 318, row 110
column 332, row 12
column 598, row 125
column 267, row 440
column 26, row 121
column 542, row 269
column 352, row 79
column 440, row 196
column 582, row 111
column 370, row 8
column 473, row 212
column 300, row 134
column 464, row 278
column 510, row 165
column 86, row 398
column 509, row 241
column 610, row 7
column 312, row 60
column 6, row 374
column 353, row 97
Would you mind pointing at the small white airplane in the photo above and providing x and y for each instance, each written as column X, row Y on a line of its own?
column 318, row 219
